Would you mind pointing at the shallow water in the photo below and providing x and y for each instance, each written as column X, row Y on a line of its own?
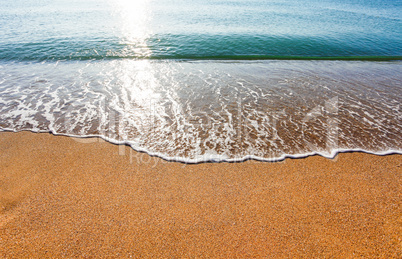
column 209, row 110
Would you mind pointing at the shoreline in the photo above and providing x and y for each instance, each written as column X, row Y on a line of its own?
column 64, row 196
column 123, row 144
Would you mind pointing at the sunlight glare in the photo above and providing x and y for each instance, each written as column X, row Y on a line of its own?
column 134, row 24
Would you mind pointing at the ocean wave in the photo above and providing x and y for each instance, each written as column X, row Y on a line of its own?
column 206, row 47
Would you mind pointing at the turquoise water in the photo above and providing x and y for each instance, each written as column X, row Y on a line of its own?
column 174, row 29
column 196, row 81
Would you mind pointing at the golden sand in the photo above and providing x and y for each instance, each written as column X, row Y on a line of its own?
column 66, row 197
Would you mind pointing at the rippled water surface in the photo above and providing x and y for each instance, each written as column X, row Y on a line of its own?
column 206, row 80
column 199, row 29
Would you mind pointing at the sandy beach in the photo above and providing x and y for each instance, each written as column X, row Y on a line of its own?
column 66, row 197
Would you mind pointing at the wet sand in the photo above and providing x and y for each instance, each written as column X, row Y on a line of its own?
column 61, row 196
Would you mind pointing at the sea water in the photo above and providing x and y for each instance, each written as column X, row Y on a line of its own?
column 197, row 81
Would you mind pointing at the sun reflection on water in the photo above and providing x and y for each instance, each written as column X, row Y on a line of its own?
column 137, row 76
column 134, row 24
column 138, row 85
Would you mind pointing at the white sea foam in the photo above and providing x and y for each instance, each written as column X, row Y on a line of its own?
column 211, row 111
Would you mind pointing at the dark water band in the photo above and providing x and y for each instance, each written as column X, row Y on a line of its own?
column 197, row 57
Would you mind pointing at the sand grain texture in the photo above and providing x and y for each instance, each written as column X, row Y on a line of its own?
column 63, row 197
